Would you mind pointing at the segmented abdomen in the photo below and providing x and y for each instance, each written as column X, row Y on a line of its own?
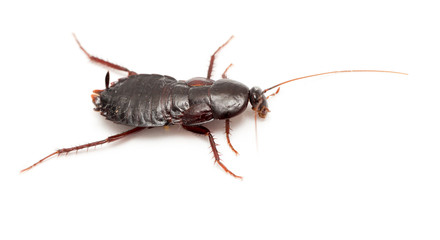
column 144, row 100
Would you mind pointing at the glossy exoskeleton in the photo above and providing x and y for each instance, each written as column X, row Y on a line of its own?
column 152, row 100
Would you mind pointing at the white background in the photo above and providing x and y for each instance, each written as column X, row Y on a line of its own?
column 344, row 156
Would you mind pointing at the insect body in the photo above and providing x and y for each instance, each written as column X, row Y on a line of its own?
column 151, row 100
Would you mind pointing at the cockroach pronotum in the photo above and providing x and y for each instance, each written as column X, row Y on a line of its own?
column 152, row 100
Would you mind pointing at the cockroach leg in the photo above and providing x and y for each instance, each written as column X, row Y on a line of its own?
column 104, row 62
column 92, row 144
column 227, row 131
column 211, row 63
column 226, row 70
column 205, row 131
column 273, row 94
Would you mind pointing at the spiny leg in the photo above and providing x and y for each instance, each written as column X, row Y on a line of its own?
column 205, row 131
column 104, row 62
column 226, row 70
column 211, row 63
column 228, row 128
column 273, row 94
column 92, row 144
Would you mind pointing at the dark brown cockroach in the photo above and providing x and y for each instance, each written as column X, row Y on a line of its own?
column 151, row 100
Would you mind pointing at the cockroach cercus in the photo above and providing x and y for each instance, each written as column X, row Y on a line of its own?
column 145, row 101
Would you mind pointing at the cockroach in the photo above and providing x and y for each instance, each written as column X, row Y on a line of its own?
column 144, row 101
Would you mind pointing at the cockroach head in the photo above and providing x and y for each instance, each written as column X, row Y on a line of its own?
column 258, row 101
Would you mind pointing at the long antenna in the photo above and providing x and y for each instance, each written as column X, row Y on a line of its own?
column 342, row 71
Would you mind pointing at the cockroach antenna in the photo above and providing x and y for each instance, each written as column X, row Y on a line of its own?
column 332, row 72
